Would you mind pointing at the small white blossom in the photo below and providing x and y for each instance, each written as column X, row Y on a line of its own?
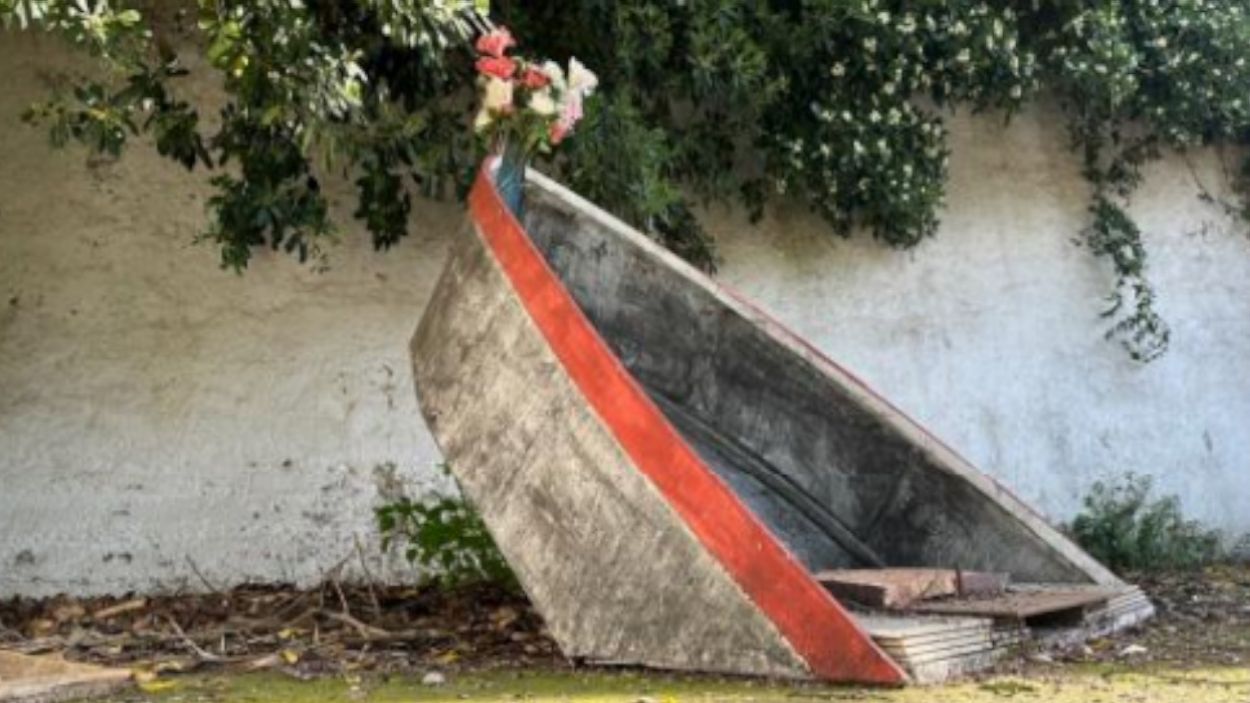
column 542, row 103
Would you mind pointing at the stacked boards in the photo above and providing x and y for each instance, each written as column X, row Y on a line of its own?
column 935, row 648
column 1125, row 608
column 960, row 636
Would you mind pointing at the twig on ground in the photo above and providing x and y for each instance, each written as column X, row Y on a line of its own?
column 367, row 631
column 120, row 609
column 196, row 649
column 342, row 598
column 364, row 567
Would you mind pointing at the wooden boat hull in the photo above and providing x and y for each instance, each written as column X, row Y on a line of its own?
column 665, row 467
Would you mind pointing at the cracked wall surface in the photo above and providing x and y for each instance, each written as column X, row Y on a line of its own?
column 160, row 416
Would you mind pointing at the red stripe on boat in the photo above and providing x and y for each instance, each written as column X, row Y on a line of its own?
column 816, row 626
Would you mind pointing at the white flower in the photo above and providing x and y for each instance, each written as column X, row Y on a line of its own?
column 498, row 95
column 870, row 43
column 542, row 103
column 581, row 80
column 556, row 74
column 837, row 70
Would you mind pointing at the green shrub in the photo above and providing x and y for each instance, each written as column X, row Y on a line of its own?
column 1128, row 531
column 1239, row 553
column 840, row 105
column 445, row 535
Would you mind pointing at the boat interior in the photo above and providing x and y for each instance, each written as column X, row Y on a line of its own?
column 845, row 482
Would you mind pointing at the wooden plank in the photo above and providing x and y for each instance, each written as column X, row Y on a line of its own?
column 987, row 638
column 900, row 588
column 927, row 649
column 912, row 628
column 954, row 653
column 1020, row 605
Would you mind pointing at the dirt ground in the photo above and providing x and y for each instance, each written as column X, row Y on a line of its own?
column 1083, row 685
column 382, row 644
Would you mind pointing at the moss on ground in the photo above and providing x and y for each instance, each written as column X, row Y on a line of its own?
column 1063, row 685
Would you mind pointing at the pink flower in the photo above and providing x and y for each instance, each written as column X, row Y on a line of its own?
column 495, row 42
column 572, row 113
column 559, row 130
column 534, row 78
column 497, row 66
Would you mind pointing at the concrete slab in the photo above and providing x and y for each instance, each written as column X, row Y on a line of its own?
column 51, row 679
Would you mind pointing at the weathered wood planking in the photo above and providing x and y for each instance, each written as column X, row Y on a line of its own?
column 1020, row 605
column 899, row 588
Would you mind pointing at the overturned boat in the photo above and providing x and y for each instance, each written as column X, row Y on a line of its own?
column 680, row 482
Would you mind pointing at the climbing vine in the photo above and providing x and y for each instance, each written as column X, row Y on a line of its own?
column 840, row 104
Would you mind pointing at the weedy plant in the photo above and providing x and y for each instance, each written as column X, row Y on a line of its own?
column 446, row 536
column 1122, row 526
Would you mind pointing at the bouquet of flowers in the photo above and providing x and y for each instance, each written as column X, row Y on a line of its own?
column 527, row 108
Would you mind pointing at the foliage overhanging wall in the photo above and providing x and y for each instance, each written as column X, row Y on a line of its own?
column 838, row 103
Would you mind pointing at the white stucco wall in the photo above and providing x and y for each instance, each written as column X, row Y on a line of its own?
column 157, row 412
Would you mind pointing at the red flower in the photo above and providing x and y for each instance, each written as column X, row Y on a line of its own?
column 497, row 66
column 534, row 78
column 495, row 42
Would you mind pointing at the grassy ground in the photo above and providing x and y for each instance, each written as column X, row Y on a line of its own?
column 1074, row 684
